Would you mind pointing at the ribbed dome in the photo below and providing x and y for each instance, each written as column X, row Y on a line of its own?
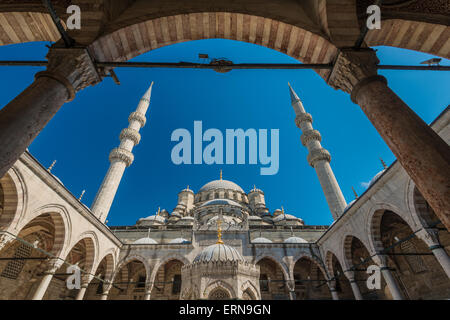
column 145, row 240
column 295, row 240
column 221, row 202
column 221, row 184
column 261, row 240
column 219, row 253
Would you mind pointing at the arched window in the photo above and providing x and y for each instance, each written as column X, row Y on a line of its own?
column 219, row 294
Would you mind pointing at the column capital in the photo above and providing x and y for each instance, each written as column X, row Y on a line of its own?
column 5, row 239
column 350, row 275
column 53, row 265
column 430, row 237
column 351, row 67
column 72, row 67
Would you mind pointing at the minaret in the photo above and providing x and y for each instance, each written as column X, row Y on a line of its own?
column 121, row 158
column 318, row 157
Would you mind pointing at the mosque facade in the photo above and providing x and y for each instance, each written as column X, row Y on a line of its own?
column 221, row 242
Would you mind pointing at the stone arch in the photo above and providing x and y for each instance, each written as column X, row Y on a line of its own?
column 298, row 42
column 342, row 284
column 165, row 260
column 92, row 248
column 283, row 267
column 316, row 261
column 218, row 284
column 63, row 226
column 13, row 199
column 130, row 258
column 347, row 249
column 374, row 221
column 421, row 211
column 19, row 27
column 414, row 35
column 103, row 271
column 251, row 289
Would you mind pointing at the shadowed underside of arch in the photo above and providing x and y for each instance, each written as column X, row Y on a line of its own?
column 18, row 27
column 414, row 35
column 130, row 41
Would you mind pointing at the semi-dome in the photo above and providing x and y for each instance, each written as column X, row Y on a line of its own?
column 156, row 218
column 295, row 240
column 179, row 241
column 221, row 202
column 221, row 184
column 219, row 253
column 261, row 240
column 145, row 240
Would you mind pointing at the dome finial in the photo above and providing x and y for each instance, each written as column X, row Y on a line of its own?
column 220, row 174
column 81, row 196
column 51, row 166
column 383, row 163
column 219, row 232
column 354, row 192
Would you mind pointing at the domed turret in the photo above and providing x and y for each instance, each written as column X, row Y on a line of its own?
column 219, row 252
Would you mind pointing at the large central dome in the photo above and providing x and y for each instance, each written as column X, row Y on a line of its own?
column 221, row 184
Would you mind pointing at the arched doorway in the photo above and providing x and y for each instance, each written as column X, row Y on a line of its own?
column 102, row 274
column 82, row 255
column 23, row 262
column 343, row 287
column 310, row 281
column 219, row 294
column 415, row 268
column 167, row 283
column 129, row 282
column 359, row 259
column 272, row 282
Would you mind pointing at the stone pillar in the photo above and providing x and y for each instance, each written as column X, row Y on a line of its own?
column 53, row 266
column 106, row 288
column 23, row 118
column 430, row 237
column 387, row 275
column 423, row 154
column 355, row 288
column 148, row 291
column 291, row 289
column 332, row 286
column 85, row 280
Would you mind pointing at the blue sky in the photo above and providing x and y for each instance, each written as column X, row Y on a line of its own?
column 84, row 131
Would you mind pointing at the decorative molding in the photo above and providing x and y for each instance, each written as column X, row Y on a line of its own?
column 131, row 134
column 303, row 117
column 317, row 155
column 310, row 135
column 139, row 117
column 121, row 155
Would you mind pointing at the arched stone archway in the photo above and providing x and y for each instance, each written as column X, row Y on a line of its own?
column 25, row 257
column 310, row 280
column 167, row 280
column 100, row 283
column 415, row 268
column 337, row 275
column 130, row 280
column 272, row 279
column 12, row 194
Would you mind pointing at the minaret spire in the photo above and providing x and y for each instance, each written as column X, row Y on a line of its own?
column 318, row 157
column 120, row 158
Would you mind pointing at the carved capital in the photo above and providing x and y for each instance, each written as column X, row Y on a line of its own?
column 303, row 117
column 317, row 155
column 351, row 67
column 53, row 265
column 121, row 155
column 309, row 135
column 430, row 237
column 139, row 117
column 131, row 134
column 350, row 275
column 72, row 67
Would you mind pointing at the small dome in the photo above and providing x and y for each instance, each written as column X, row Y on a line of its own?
column 295, row 240
column 256, row 218
column 156, row 218
column 281, row 217
column 349, row 204
column 219, row 253
column 145, row 240
column 221, row 202
column 375, row 178
column 179, row 241
column 261, row 240
column 277, row 212
column 221, row 184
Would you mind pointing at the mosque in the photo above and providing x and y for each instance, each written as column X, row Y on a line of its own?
column 221, row 242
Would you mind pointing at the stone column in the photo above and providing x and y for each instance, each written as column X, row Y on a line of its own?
column 387, row 275
column 291, row 288
column 430, row 237
column 148, row 291
column 106, row 288
column 53, row 266
column 21, row 120
column 332, row 286
column 423, row 154
column 355, row 288
column 85, row 280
